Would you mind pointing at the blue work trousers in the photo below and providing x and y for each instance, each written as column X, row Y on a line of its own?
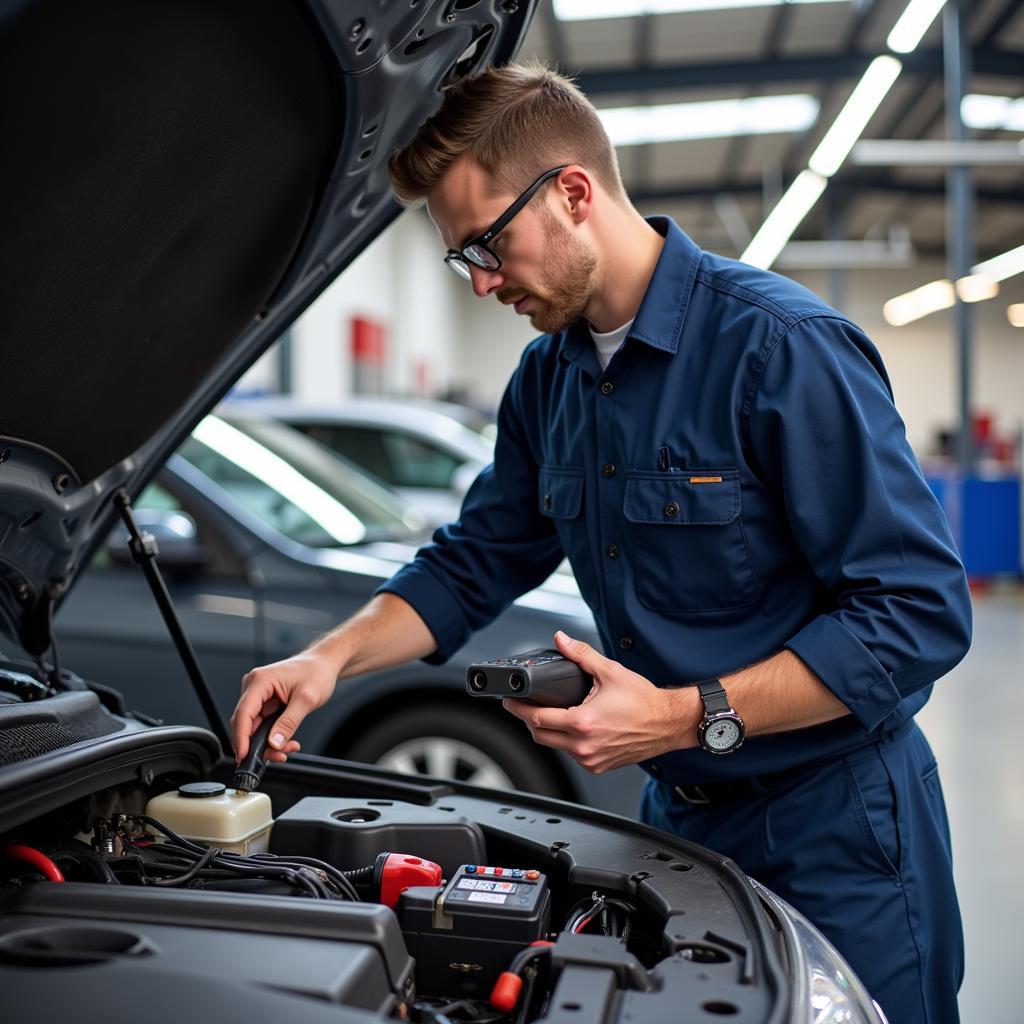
column 859, row 845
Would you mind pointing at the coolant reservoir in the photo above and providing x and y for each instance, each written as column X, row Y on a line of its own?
column 210, row 813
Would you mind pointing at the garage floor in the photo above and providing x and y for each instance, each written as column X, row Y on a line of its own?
column 975, row 722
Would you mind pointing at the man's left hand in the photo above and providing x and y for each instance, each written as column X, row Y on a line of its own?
column 624, row 719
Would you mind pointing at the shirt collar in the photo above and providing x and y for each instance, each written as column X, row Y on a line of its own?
column 659, row 321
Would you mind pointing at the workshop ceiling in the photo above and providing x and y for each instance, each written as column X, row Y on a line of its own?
column 718, row 187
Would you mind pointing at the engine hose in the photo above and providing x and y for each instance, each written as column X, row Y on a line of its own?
column 73, row 852
column 39, row 861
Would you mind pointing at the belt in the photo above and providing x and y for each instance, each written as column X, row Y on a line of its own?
column 736, row 789
column 757, row 785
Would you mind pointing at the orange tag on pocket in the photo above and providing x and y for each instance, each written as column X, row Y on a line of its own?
column 705, row 479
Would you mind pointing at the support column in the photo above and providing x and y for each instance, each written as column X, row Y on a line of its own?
column 835, row 231
column 959, row 209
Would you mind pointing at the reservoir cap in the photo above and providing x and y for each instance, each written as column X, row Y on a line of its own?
column 201, row 789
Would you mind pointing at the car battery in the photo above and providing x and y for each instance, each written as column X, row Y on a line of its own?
column 464, row 934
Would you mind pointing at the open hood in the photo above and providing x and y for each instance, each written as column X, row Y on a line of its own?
column 181, row 179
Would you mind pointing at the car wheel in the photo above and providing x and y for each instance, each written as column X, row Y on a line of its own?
column 454, row 743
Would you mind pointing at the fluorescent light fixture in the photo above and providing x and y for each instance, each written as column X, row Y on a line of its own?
column 977, row 288
column 712, row 119
column 1015, row 314
column 929, row 298
column 999, row 268
column 587, row 10
column 912, row 25
column 865, row 99
column 263, row 464
column 992, row 112
column 784, row 219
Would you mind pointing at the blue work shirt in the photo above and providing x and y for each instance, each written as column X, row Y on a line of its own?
column 736, row 482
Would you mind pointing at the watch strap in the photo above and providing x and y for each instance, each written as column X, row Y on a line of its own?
column 713, row 694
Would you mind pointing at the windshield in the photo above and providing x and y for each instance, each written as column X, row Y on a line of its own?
column 295, row 486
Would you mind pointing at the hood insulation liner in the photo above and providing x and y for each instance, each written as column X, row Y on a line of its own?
column 145, row 226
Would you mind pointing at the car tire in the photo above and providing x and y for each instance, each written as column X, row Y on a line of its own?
column 458, row 743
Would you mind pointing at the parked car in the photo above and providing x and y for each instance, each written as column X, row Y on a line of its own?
column 428, row 452
column 424, row 450
column 268, row 540
column 188, row 177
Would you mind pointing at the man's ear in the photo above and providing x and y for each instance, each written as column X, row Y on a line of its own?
column 577, row 190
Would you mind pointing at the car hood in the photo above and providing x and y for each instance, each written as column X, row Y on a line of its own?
column 182, row 179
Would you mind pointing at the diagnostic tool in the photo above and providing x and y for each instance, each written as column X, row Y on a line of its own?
column 542, row 676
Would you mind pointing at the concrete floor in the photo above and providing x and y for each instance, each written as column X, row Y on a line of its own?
column 975, row 723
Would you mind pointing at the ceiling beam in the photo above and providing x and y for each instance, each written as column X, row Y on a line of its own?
column 729, row 74
column 736, row 152
column 844, row 185
column 1000, row 21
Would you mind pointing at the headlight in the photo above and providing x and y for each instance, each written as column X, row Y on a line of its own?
column 822, row 979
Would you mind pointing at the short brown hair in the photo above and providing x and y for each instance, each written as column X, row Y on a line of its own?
column 515, row 122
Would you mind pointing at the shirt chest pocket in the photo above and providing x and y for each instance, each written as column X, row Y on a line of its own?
column 687, row 542
column 560, row 494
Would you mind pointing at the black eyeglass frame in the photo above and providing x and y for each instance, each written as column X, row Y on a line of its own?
column 460, row 259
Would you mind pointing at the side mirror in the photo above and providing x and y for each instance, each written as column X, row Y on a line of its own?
column 177, row 541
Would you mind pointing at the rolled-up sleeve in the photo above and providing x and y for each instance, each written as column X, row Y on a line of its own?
column 500, row 547
column 825, row 432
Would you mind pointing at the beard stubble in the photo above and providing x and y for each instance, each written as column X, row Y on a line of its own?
column 570, row 265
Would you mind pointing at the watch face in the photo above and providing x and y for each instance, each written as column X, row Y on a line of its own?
column 722, row 735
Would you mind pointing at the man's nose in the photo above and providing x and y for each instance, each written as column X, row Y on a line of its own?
column 484, row 281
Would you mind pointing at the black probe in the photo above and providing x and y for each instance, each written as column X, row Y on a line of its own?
column 249, row 772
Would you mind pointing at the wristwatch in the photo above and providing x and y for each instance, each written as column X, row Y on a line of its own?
column 721, row 731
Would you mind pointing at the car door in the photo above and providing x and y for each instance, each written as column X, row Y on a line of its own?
column 109, row 627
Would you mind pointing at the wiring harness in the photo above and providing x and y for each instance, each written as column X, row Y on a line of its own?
column 602, row 914
column 182, row 862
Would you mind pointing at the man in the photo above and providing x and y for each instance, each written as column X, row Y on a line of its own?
column 718, row 454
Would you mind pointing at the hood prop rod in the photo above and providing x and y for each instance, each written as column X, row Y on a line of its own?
column 144, row 551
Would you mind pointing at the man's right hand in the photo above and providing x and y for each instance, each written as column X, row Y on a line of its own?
column 383, row 633
column 300, row 684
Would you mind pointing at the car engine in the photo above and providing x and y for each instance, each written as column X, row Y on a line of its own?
column 131, row 867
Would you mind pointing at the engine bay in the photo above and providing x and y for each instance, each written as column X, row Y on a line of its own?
column 345, row 892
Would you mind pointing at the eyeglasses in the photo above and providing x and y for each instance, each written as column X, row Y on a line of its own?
column 477, row 250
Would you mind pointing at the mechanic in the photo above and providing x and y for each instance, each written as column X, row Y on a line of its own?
column 718, row 454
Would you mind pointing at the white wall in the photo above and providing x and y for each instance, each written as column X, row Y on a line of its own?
column 322, row 367
column 399, row 282
column 425, row 318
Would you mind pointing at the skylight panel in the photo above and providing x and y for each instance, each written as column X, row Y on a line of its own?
column 710, row 119
column 590, row 10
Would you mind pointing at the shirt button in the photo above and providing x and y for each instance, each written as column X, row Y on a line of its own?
column 625, row 643
column 671, row 509
column 607, row 470
column 547, row 502
column 607, row 387
column 613, row 551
